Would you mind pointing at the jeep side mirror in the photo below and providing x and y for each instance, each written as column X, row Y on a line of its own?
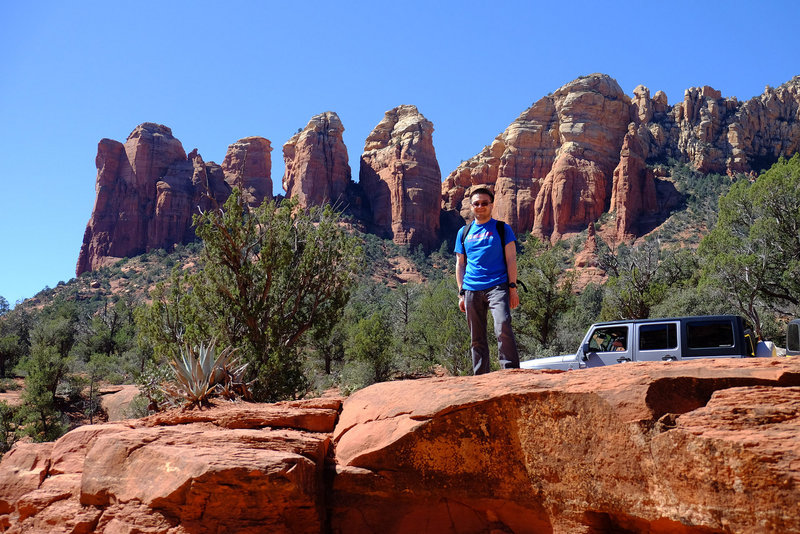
column 585, row 350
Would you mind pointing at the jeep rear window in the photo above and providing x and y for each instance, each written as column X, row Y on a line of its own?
column 709, row 334
column 793, row 341
column 658, row 336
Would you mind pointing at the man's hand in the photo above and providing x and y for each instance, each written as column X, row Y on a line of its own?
column 513, row 300
column 461, row 304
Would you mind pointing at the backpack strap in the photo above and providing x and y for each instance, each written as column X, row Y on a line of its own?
column 464, row 238
column 501, row 231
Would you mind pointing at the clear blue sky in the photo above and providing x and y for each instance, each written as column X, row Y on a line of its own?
column 72, row 73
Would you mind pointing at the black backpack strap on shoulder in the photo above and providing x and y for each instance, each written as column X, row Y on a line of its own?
column 464, row 238
column 501, row 231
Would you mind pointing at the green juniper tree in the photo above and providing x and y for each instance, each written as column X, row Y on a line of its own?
column 549, row 293
column 268, row 276
column 753, row 253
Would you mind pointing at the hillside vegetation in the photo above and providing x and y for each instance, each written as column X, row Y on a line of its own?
column 390, row 311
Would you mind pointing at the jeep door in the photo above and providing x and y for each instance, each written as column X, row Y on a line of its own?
column 608, row 345
column 658, row 341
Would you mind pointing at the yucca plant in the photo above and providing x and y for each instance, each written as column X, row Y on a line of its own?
column 197, row 372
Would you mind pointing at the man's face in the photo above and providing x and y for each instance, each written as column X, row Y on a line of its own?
column 481, row 205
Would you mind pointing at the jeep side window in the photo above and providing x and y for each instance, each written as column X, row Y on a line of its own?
column 609, row 339
column 658, row 336
column 709, row 334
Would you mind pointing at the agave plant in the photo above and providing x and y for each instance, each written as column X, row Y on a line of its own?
column 197, row 372
column 232, row 384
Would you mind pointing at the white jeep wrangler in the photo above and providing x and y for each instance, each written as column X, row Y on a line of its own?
column 679, row 338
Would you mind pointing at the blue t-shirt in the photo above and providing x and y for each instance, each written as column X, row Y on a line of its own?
column 486, row 266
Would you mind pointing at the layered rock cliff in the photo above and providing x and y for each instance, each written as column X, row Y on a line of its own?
column 400, row 177
column 148, row 189
column 584, row 150
column 658, row 447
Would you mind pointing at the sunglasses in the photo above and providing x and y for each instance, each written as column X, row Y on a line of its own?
column 480, row 204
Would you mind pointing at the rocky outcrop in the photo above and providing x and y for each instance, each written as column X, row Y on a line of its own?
column 588, row 256
column 237, row 468
column 634, row 188
column 317, row 168
column 248, row 166
column 148, row 189
column 658, row 447
column 593, row 114
column 584, row 150
column 644, row 448
column 551, row 169
column 587, row 268
column 400, row 177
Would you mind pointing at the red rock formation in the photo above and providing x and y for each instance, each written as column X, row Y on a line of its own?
column 723, row 135
column 588, row 256
column 148, row 190
column 401, row 178
column 551, row 168
column 587, row 267
column 248, row 165
column 317, row 169
column 125, row 208
column 557, row 158
column 593, row 114
column 513, row 166
column 634, row 190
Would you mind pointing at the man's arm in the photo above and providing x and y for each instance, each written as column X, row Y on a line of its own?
column 511, row 259
column 461, row 268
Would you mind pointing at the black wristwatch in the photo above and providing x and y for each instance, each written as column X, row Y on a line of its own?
column 512, row 284
column 462, row 292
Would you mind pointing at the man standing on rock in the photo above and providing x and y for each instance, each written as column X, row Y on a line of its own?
column 486, row 273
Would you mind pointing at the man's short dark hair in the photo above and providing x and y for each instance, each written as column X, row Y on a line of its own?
column 481, row 191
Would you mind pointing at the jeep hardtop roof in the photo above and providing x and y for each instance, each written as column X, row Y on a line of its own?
column 662, row 319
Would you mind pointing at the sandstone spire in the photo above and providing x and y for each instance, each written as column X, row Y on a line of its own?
column 248, row 165
column 401, row 178
column 317, row 168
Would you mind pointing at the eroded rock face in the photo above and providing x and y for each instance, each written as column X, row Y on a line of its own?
column 148, row 189
column 551, row 168
column 633, row 448
column 634, row 188
column 248, row 165
column 656, row 447
column 593, row 114
column 237, row 468
column 317, row 168
column 557, row 167
column 400, row 177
